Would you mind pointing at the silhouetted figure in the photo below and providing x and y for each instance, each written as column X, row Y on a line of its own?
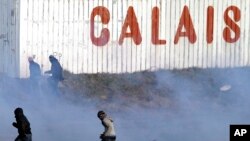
column 23, row 126
column 109, row 130
column 56, row 71
column 35, row 71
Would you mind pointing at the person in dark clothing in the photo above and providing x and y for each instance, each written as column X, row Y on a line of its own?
column 23, row 126
column 35, row 74
column 109, row 130
column 56, row 71
column 35, row 71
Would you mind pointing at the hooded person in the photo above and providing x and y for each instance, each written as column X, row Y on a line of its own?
column 109, row 130
column 23, row 126
column 35, row 71
column 56, row 71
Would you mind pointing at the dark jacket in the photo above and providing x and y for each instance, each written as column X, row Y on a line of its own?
column 22, row 124
column 56, row 69
column 35, row 71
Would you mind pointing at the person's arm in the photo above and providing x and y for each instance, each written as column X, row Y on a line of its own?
column 14, row 124
column 48, row 72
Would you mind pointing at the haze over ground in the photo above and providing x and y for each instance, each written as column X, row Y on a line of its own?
column 192, row 109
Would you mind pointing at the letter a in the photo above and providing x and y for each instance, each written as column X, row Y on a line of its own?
column 187, row 23
column 237, row 133
column 132, row 24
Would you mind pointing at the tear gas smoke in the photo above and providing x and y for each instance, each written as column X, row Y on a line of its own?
column 201, row 112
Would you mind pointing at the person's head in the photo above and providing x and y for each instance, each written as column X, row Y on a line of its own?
column 52, row 58
column 101, row 115
column 30, row 59
column 18, row 111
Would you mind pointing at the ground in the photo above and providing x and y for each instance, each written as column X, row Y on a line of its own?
column 148, row 89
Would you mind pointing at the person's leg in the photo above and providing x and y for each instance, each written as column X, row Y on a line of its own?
column 108, row 139
column 18, row 138
column 28, row 137
column 52, row 85
column 55, row 87
column 33, row 84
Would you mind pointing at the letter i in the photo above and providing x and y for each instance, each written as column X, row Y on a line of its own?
column 210, row 24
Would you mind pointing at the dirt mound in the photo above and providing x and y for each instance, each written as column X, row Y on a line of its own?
column 148, row 89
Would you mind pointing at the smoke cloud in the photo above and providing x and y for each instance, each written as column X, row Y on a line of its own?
column 201, row 110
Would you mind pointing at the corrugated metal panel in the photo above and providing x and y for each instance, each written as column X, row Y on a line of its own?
column 9, row 52
column 63, row 27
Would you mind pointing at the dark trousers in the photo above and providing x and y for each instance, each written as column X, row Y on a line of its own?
column 109, row 138
column 27, row 138
column 53, row 85
column 34, row 84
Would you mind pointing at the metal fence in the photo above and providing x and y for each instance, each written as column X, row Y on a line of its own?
column 116, row 36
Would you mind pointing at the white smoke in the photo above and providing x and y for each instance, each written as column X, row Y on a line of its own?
column 201, row 112
column 52, row 118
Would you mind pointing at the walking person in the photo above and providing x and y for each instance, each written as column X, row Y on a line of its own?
column 109, row 130
column 35, row 70
column 57, row 73
column 35, row 74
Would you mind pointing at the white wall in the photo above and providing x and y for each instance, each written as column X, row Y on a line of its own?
column 62, row 28
column 9, row 48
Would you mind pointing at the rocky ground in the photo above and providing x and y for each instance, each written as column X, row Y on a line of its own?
column 148, row 89
column 161, row 88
